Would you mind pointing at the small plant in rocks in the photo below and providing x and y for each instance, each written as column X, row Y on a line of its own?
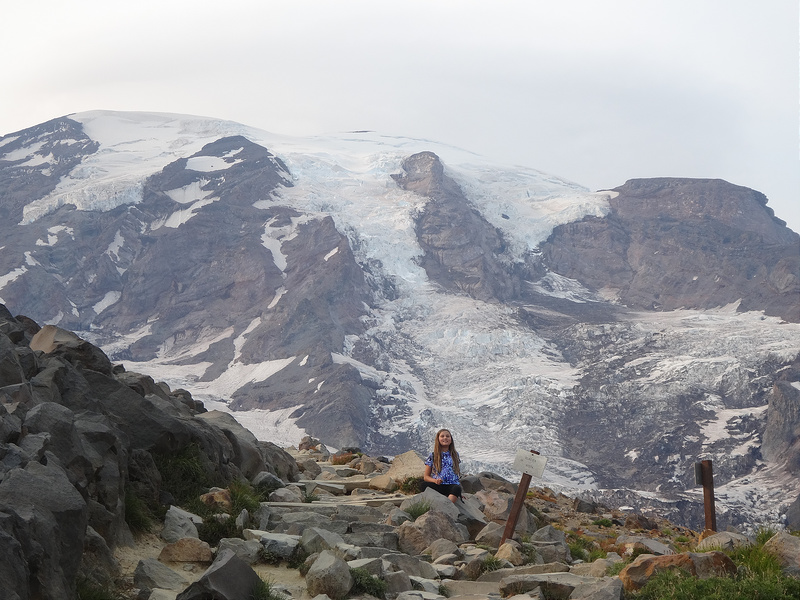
column 418, row 509
column 490, row 563
column 411, row 485
column 265, row 590
column 603, row 522
column 365, row 582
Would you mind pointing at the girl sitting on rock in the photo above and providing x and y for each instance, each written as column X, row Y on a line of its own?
column 442, row 467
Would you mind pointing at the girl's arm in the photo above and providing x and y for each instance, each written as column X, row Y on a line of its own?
column 427, row 477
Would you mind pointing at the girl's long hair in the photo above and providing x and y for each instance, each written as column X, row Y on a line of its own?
column 437, row 454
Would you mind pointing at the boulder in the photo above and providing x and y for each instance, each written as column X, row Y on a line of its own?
column 150, row 574
column 435, row 500
column 702, row 565
column 285, row 494
column 491, row 534
column 441, row 547
column 247, row 550
column 638, row 542
column 268, row 480
column 228, row 578
column 178, row 524
column 280, row 545
column 187, row 550
column 603, row 588
column 329, row 575
column 410, row 565
column 786, row 548
column 406, row 465
column 397, row 582
column 383, row 483
column 510, row 551
column 315, row 539
column 553, row 585
column 415, row 536
column 724, row 540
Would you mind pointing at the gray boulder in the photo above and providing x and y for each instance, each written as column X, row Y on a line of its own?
column 315, row 539
column 151, row 574
column 178, row 524
column 329, row 575
column 279, row 544
column 725, row 540
column 247, row 550
column 228, row 578
column 410, row 565
column 415, row 536
column 786, row 548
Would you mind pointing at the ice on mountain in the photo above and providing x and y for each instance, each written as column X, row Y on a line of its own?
column 109, row 299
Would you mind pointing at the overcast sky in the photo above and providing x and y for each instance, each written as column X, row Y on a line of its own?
column 595, row 91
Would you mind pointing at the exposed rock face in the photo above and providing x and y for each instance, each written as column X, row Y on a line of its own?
column 463, row 252
column 74, row 441
column 684, row 243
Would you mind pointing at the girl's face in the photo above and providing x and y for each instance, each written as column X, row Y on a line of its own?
column 445, row 439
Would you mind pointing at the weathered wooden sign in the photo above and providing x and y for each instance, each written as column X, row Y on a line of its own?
column 529, row 463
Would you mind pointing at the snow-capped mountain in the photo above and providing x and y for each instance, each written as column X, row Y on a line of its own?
column 369, row 289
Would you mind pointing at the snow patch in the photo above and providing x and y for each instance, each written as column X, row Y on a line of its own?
column 109, row 299
column 330, row 254
column 209, row 164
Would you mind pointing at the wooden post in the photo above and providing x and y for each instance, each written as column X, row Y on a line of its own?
column 708, row 495
column 516, row 508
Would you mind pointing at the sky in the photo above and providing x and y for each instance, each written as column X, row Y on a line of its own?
column 596, row 92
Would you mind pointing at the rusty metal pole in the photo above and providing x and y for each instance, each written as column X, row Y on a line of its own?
column 708, row 495
column 516, row 508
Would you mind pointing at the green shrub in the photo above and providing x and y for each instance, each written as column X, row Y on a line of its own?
column 307, row 497
column 87, row 590
column 411, row 485
column 603, row 522
column 137, row 514
column 616, row 568
column 754, row 561
column 579, row 547
column 764, row 534
column 490, row 563
column 213, row 529
column 365, row 582
column 297, row 558
column 264, row 590
column 183, row 474
column 678, row 585
column 243, row 497
column 267, row 557
column 418, row 509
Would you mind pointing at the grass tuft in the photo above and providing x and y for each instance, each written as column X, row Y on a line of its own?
column 418, row 509
column 265, row 590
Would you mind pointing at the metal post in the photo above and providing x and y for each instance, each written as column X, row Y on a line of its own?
column 516, row 508
column 708, row 495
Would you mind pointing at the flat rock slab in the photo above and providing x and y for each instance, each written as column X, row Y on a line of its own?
column 471, row 588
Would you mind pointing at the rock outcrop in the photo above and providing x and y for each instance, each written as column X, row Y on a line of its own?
column 78, row 438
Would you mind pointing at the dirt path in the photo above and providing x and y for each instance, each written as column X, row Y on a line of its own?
column 150, row 546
